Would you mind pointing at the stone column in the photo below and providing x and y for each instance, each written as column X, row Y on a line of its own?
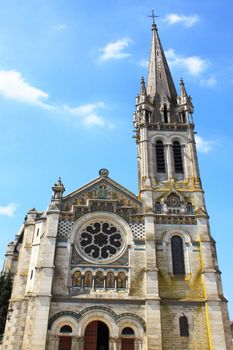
column 138, row 344
column 81, row 343
column 168, row 149
column 75, row 343
column 118, row 344
column 53, row 342
column 113, row 343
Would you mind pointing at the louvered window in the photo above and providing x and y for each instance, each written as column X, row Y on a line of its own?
column 178, row 161
column 177, row 256
column 160, row 159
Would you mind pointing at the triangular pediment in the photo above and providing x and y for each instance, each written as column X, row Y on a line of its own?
column 101, row 194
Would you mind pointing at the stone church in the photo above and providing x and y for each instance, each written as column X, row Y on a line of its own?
column 105, row 269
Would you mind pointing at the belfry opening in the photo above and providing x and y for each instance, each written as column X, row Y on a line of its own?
column 96, row 336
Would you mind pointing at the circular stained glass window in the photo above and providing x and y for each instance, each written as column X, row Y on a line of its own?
column 100, row 240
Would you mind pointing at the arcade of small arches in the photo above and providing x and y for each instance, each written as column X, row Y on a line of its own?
column 99, row 331
column 96, row 330
column 106, row 280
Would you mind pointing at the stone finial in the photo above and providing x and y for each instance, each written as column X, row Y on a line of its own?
column 143, row 87
column 104, row 172
column 58, row 189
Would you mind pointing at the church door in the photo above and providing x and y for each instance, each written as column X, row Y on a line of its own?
column 65, row 343
column 96, row 336
column 127, row 344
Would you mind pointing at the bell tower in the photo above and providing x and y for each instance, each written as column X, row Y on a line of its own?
column 184, row 268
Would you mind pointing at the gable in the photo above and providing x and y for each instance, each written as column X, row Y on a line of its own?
column 101, row 194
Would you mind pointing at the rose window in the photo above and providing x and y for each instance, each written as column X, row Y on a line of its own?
column 100, row 240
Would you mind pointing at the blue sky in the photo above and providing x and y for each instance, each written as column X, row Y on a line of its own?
column 69, row 74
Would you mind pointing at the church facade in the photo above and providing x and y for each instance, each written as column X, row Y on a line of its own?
column 105, row 269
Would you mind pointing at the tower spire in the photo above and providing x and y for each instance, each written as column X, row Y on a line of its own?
column 159, row 82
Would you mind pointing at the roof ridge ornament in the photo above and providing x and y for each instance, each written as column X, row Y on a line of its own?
column 104, row 173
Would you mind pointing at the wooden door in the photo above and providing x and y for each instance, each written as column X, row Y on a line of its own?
column 91, row 332
column 127, row 344
column 65, row 343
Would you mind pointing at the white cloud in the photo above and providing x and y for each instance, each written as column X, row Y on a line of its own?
column 89, row 115
column 115, row 50
column 144, row 63
column 195, row 65
column 204, row 146
column 209, row 82
column 14, row 87
column 187, row 21
column 59, row 27
column 9, row 210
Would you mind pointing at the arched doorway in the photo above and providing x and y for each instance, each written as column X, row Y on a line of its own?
column 127, row 339
column 65, row 340
column 96, row 336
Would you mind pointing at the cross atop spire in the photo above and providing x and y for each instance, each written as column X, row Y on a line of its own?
column 153, row 16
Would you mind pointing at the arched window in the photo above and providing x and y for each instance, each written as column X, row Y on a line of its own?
column 189, row 208
column 177, row 255
column 158, row 208
column 121, row 281
column 178, row 161
column 160, row 159
column 183, row 117
column 99, row 279
column 165, row 114
column 77, row 279
column 127, row 331
column 184, row 326
column 110, row 280
column 87, row 279
column 66, row 329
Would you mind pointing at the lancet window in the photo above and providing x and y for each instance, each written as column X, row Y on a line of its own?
column 184, row 326
column 158, row 208
column 160, row 158
column 178, row 161
column 177, row 255
column 165, row 114
column 189, row 208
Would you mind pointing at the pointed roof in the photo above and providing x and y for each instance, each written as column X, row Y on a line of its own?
column 159, row 80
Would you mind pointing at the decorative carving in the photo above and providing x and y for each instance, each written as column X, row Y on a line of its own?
column 175, row 220
column 104, row 172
